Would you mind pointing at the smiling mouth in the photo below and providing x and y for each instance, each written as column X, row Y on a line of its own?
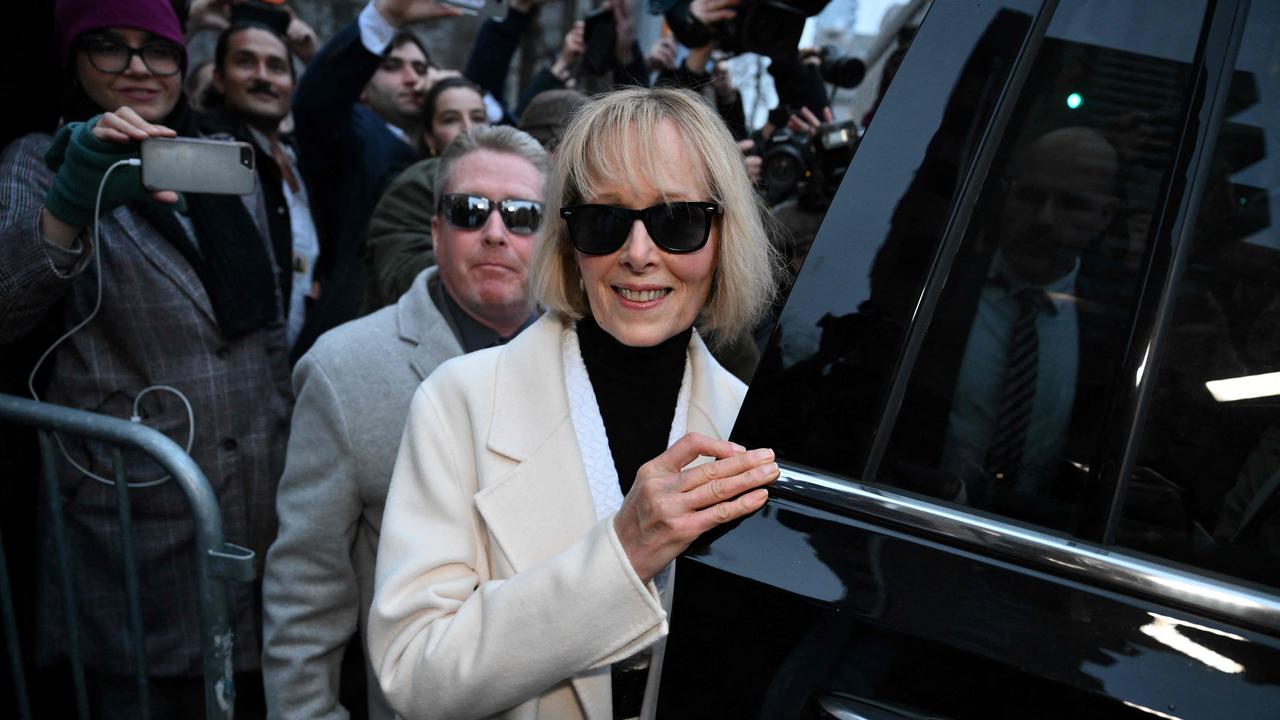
column 641, row 295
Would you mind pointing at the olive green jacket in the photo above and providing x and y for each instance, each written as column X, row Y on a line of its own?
column 399, row 245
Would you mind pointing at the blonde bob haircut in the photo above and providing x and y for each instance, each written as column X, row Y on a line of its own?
column 614, row 139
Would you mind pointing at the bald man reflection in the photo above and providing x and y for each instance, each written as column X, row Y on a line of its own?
column 1018, row 379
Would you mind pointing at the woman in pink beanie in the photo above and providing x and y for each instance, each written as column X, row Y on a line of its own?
column 183, row 295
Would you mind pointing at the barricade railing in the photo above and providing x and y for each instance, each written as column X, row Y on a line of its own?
column 217, row 561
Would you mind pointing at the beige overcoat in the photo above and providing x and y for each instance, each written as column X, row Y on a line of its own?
column 498, row 593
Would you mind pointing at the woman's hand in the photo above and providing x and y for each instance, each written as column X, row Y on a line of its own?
column 668, row 507
column 81, row 154
column 125, row 125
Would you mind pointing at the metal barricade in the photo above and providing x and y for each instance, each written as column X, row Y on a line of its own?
column 217, row 561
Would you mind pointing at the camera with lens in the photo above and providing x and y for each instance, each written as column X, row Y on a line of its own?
column 810, row 165
column 843, row 71
column 767, row 27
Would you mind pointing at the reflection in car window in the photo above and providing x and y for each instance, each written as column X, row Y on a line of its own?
column 819, row 390
column 1007, row 397
column 1207, row 481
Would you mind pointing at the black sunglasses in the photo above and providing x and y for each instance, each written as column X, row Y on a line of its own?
column 676, row 227
column 111, row 56
column 469, row 212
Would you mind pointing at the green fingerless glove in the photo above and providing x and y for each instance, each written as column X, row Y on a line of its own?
column 80, row 159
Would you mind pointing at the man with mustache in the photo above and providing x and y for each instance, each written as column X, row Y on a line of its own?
column 252, row 87
column 353, row 389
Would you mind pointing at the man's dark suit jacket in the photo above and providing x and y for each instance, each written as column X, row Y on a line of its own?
column 348, row 155
column 922, row 424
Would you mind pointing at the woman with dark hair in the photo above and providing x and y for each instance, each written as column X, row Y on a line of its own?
column 174, row 316
column 543, row 488
column 399, row 244
column 452, row 106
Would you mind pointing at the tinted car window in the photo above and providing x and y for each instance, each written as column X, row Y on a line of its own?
column 1206, row 488
column 817, row 394
column 1006, row 401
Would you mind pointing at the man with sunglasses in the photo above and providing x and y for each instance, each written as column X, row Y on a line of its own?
column 353, row 391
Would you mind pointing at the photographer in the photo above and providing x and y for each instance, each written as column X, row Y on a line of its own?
column 598, row 54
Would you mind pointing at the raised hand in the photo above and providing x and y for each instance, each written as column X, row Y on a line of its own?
column 712, row 11
column 575, row 43
column 406, row 12
column 301, row 39
column 662, row 54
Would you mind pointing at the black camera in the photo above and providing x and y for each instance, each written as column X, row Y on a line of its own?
column 843, row 71
column 811, row 165
column 767, row 27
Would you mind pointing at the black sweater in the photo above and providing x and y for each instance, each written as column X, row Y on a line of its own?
column 636, row 389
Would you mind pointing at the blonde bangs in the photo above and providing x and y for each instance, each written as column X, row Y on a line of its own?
column 615, row 139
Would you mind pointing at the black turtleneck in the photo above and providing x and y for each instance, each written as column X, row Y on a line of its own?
column 636, row 389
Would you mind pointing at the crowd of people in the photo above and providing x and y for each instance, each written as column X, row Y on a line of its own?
column 547, row 285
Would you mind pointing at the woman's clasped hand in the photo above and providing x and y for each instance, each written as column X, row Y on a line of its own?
column 668, row 507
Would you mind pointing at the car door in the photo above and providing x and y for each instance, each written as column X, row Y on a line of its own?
column 1099, row 176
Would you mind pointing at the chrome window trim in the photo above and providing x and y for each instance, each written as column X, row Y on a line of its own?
column 1099, row 565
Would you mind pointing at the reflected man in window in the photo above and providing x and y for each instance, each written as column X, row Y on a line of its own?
column 1019, row 376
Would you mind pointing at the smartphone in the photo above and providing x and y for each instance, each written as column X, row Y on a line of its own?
column 483, row 9
column 195, row 165
column 261, row 12
column 600, row 37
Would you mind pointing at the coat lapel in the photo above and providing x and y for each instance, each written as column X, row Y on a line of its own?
column 420, row 324
column 543, row 504
column 166, row 259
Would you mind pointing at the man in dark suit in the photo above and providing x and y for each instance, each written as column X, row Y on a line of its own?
column 358, row 123
column 1009, row 382
column 252, row 91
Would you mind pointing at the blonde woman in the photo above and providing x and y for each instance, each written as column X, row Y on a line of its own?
column 543, row 488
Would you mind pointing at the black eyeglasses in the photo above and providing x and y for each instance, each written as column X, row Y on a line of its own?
column 469, row 212
column 112, row 56
column 677, row 227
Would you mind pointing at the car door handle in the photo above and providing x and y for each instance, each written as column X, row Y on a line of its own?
column 840, row 706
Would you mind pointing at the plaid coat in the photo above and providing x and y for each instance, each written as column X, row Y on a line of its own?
column 155, row 327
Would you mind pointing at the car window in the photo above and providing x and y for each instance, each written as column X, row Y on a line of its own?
column 819, row 389
column 1007, row 397
column 1206, row 486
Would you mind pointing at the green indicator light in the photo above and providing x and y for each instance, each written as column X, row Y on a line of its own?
column 1074, row 100
column 1243, row 202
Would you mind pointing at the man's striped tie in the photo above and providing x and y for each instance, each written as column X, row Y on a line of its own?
column 1004, row 453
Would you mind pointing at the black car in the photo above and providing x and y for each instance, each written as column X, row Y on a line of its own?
column 1025, row 391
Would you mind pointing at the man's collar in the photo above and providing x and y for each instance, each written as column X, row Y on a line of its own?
column 399, row 132
column 472, row 335
column 1059, row 291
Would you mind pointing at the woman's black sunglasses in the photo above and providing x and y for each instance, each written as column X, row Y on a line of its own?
column 676, row 227
column 469, row 212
